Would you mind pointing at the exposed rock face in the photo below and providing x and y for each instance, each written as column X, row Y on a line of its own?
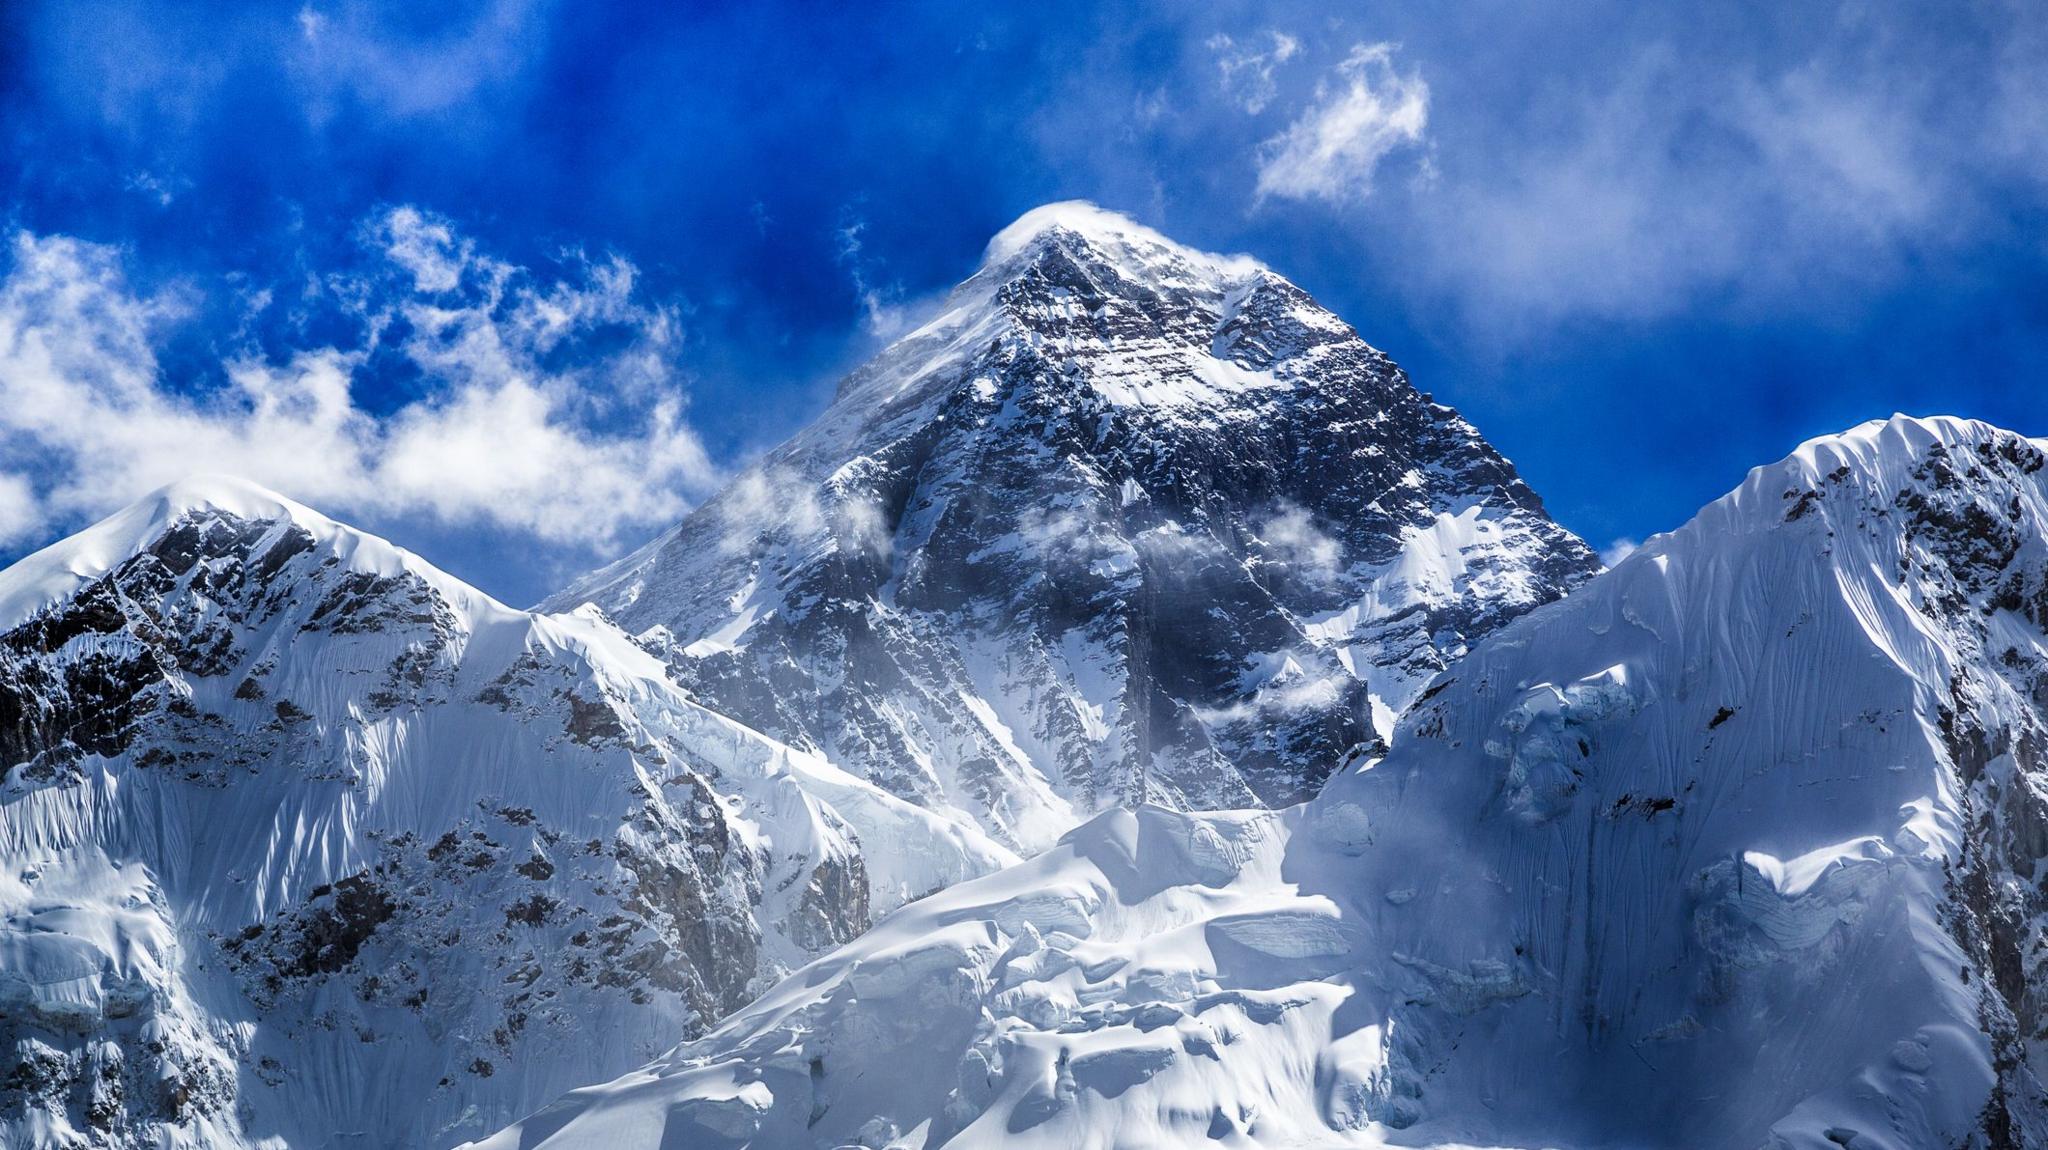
column 1740, row 845
column 1126, row 523
column 306, row 840
column 292, row 820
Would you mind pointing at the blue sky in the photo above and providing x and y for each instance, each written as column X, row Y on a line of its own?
column 516, row 282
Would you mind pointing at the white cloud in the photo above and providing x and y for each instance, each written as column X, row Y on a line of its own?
column 20, row 515
column 1057, row 529
column 1617, row 551
column 1150, row 107
column 1292, row 537
column 791, row 508
column 1248, row 70
column 884, row 315
column 566, row 454
column 427, row 247
column 762, row 496
column 159, row 189
column 1665, row 183
column 1282, row 683
column 1844, row 152
column 359, row 52
column 1332, row 150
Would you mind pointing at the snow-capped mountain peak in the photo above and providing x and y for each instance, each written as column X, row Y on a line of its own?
column 294, row 819
column 1074, row 262
column 1114, row 237
column 1884, row 456
column 60, row 569
column 974, row 579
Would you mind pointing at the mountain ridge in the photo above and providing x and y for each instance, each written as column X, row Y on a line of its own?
column 56, row 571
column 1605, row 889
column 295, row 819
column 1099, row 426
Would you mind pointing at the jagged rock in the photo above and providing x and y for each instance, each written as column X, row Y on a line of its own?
column 1127, row 522
column 1741, row 845
column 306, row 840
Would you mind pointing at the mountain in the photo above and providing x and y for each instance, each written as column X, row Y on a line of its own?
column 1740, row 845
column 1125, row 523
column 307, row 843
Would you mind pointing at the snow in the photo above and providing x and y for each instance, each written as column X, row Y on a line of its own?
column 945, row 583
column 1127, row 521
column 1115, row 231
column 60, row 569
column 369, row 706
column 1676, row 861
column 1209, row 381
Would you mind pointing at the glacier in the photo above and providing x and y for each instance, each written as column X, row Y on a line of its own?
column 307, row 843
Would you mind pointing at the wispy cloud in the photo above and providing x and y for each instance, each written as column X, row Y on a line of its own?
column 1247, row 69
column 1675, row 181
column 1280, row 684
column 501, row 435
column 359, row 52
column 159, row 189
column 21, row 516
column 781, row 502
column 428, row 248
column 883, row 312
column 1617, row 551
column 1366, row 111
column 1291, row 536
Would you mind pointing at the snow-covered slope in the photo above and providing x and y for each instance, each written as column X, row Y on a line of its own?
column 1126, row 522
column 1738, row 846
column 307, row 843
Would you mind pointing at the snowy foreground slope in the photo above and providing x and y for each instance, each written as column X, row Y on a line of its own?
column 1738, row 846
column 308, row 844
column 1126, row 522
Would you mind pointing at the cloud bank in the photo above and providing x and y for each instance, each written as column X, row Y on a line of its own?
column 546, row 406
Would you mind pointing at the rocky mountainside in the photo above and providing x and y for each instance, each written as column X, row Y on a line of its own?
column 1740, row 845
column 308, row 844
column 1125, row 523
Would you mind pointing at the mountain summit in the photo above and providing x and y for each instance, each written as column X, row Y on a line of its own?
column 308, row 843
column 1126, row 522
